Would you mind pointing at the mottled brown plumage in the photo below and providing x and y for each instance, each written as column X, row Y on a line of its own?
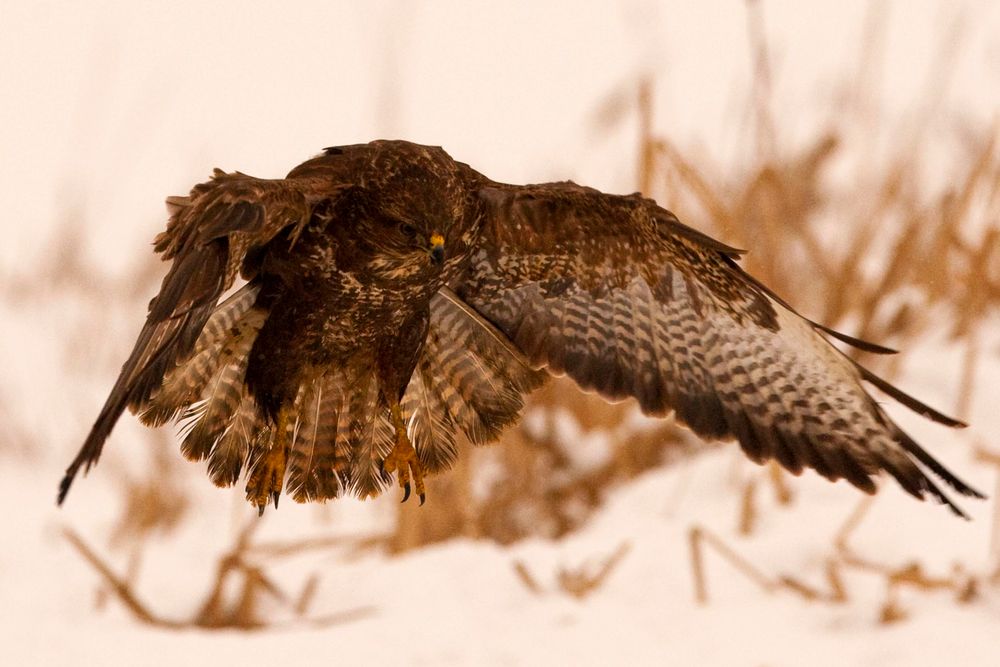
column 395, row 296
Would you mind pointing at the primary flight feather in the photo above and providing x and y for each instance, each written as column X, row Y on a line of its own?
column 395, row 298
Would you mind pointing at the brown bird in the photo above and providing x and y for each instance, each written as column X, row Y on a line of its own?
column 395, row 298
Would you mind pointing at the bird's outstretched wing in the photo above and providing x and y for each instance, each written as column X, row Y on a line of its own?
column 616, row 293
column 213, row 234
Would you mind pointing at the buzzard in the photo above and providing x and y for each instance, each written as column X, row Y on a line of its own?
column 393, row 298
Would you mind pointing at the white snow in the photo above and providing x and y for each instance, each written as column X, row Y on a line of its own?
column 461, row 602
column 111, row 106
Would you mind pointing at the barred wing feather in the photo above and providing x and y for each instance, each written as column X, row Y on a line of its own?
column 616, row 293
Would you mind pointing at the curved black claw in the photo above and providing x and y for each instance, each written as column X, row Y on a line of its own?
column 423, row 497
column 276, row 495
column 260, row 510
column 406, row 494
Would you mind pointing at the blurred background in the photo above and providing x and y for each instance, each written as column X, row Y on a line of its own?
column 850, row 147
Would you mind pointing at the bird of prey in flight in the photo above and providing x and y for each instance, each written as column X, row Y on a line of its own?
column 393, row 298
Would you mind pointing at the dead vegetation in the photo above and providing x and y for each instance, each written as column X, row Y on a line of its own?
column 963, row 585
column 902, row 256
column 239, row 593
column 534, row 485
column 577, row 582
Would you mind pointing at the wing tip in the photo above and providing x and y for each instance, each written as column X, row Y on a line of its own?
column 910, row 402
column 67, row 481
column 86, row 458
column 920, row 455
column 942, row 498
column 858, row 343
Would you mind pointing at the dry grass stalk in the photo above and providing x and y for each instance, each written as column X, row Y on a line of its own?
column 748, row 509
column 966, row 385
column 16, row 441
column 155, row 503
column 528, row 579
column 775, row 202
column 307, row 595
column 835, row 582
column 699, row 536
column 783, row 493
column 891, row 612
column 963, row 585
column 218, row 610
column 647, row 155
column 991, row 457
column 765, row 134
column 578, row 582
column 350, row 547
column 119, row 587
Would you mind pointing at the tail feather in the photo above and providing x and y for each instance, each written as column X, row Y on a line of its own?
column 221, row 395
column 247, row 430
column 181, row 387
column 429, row 424
column 369, row 437
column 316, row 464
column 468, row 378
column 208, row 419
column 463, row 410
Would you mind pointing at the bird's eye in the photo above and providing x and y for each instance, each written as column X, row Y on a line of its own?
column 408, row 229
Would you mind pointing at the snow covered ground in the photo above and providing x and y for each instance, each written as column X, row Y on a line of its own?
column 111, row 106
column 462, row 602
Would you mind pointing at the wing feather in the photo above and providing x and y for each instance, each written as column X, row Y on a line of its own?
column 618, row 294
column 208, row 238
column 470, row 378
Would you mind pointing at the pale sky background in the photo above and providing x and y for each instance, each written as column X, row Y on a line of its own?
column 110, row 106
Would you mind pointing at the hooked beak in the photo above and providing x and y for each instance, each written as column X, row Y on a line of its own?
column 437, row 249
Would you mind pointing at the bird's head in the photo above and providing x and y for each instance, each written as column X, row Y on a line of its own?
column 415, row 241
column 415, row 206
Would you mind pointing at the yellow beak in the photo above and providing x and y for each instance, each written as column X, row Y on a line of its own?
column 437, row 248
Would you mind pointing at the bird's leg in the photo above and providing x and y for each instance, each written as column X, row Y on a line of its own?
column 403, row 458
column 268, row 475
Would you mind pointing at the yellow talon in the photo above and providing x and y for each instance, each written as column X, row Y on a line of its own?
column 403, row 459
column 268, row 475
